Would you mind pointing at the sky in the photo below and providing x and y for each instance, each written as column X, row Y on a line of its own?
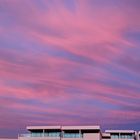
column 69, row 62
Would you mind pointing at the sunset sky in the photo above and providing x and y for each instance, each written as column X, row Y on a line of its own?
column 69, row 62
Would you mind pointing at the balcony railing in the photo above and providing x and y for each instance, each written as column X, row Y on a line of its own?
column 40, row 135
column 53, row 135
column 72, row 135
column 25, row 135
column 125, row 136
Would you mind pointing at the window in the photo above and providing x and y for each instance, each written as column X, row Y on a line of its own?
column 52, row 134
column 126, row 136
column 72, row 135
column 37, row 134
column 115, row 136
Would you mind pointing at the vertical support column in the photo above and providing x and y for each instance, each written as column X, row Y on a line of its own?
column 80, row 134
column 43, row 133
column 31, row 134
column 137, row 136
column 119, row 135
column 62, row 134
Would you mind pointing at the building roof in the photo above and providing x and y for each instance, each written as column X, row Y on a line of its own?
column 81, row 127
column 119, row 131
column 42, row 127
column 64, row 127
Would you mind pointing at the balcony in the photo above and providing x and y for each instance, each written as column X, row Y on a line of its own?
column 123, row 136
column 52, row 135
column 36, row 135
column 72, row 135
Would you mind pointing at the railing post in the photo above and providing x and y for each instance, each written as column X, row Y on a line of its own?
column 43, row 133
column 119, row 135
column 61, row 133
column 80, row 134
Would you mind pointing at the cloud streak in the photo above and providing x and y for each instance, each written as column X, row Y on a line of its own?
column 70, row 60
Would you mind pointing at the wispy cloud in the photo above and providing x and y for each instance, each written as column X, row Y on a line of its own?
column 70, row 59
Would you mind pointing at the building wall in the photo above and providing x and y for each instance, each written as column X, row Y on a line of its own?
column 7, row 139
column 86, row 136
column 92, row 136
column 37, row 138
column 85, row 133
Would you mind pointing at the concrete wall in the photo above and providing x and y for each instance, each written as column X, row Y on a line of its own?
column 92, row 136
column 71, row 138
column 7, row 139
column 37, row 138
column 86, row 136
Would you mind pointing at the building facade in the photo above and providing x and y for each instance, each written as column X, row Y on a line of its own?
column 77, row 133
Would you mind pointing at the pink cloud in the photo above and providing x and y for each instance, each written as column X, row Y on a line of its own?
column 69, row 64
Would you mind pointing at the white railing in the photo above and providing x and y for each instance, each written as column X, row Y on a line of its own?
column 66, row 135
column 38, row 135
column 25, row 135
